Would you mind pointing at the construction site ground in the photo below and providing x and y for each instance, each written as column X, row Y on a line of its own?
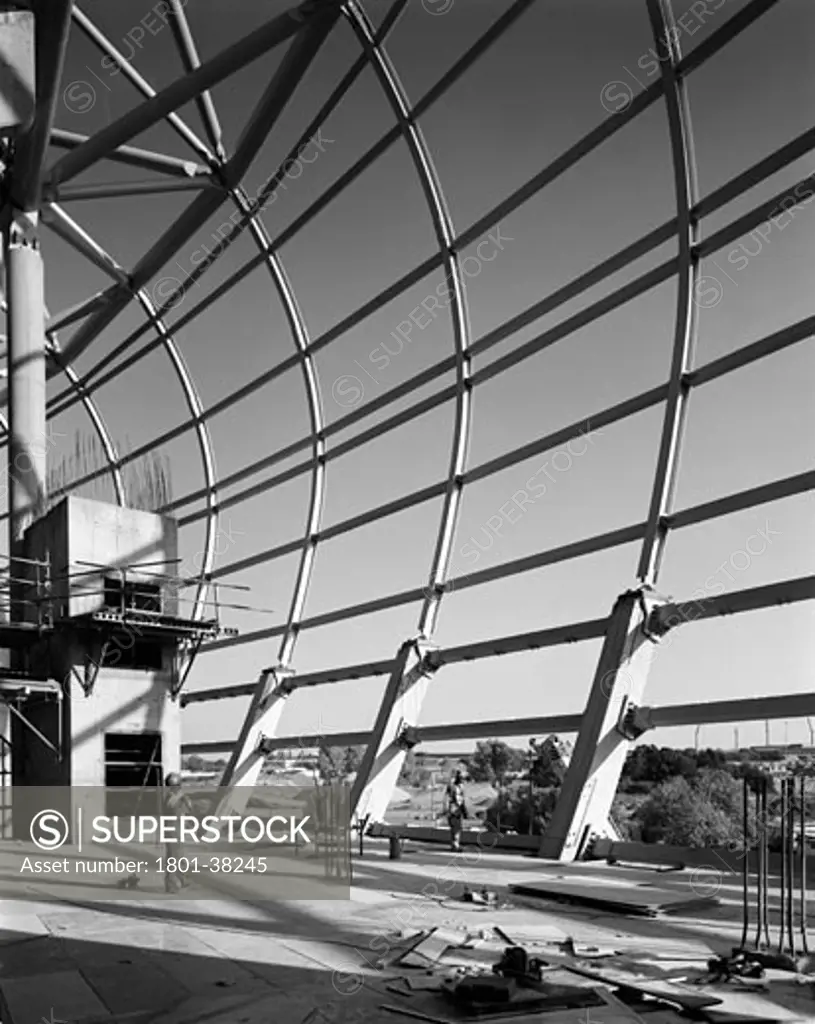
column 224, row 961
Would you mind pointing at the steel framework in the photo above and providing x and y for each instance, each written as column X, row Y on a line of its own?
column 639, row 617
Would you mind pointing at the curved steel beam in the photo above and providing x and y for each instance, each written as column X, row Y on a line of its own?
column 409, row 681
column 297, row 325
column 496, row 30
column 445, row 237
column 302, row 341
column 196, row 409
column 584, row 805
column 75, row 236
column 684, row 170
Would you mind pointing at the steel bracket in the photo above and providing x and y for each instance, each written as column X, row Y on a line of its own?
column 284, row 685
column 656, row 608
column 92, row 666
column 177, row 677
column 634, row 722
column 408, row 737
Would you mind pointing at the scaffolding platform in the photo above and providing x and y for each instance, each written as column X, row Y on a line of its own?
column 148, row 624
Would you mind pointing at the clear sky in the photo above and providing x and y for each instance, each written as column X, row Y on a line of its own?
column 540, row 89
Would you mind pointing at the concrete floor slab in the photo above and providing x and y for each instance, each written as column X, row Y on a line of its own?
column 57, row 996
column 221, row 961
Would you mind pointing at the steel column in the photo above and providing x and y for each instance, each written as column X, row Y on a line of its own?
column 584, row 805
column 246, row 759
column 591, row 779
column 384, row 756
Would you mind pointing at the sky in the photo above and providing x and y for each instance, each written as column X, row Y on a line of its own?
column 554, row 76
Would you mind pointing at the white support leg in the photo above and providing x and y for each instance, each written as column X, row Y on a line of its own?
column 262, row 719
column 597, row 761
column 401, row 705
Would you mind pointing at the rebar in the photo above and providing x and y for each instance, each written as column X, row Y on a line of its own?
column 803, row 857
column 782, row 903
column 790, row 830
column 790, row 939
column 765, row 858
column 745, row 866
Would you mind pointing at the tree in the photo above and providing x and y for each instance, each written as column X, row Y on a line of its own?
column 712, row 759
column 705, row 811
column 492, row 761
column 755, row 776
column 543, row 771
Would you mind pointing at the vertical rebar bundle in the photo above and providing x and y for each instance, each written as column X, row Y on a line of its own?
column 147, row 480
column 789, row 867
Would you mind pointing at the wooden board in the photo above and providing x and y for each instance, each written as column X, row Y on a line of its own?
column 431, row 949
column 647, row 901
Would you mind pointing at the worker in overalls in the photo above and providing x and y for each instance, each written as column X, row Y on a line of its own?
column 456, row 810
column 176, row 804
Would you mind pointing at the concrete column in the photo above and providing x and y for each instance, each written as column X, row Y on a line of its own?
column 26, row 376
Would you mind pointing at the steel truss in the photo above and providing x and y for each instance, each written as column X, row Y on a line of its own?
column 639, row 617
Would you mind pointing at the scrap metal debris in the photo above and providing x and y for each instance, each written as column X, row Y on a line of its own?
column 450, row 975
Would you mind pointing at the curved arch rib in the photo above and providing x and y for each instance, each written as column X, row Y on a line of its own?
column 196, row 409
column 584, row 804
column 244, row 764
column 302, row 340
column 250, row 216
column 74, row 235
column 445, row 236
column 405, row 691
column 684, row 171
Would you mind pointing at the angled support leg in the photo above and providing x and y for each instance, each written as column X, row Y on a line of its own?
column 591, row 780
column 401, row 705
column 262, row 720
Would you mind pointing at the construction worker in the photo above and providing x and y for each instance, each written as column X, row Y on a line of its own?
column 176, row 804
column 456, row 810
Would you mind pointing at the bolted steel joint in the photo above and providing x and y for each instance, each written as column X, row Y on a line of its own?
column 659, row 621
column 656, row 613
column 634, row 721
column 408, row 737
column 265, row 745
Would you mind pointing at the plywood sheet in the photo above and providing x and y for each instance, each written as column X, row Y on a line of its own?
column 647, row 901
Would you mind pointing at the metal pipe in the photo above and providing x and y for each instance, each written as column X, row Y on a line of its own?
column 145, row 159
column 180, row 92
column 26, row 375
column 118, row 190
